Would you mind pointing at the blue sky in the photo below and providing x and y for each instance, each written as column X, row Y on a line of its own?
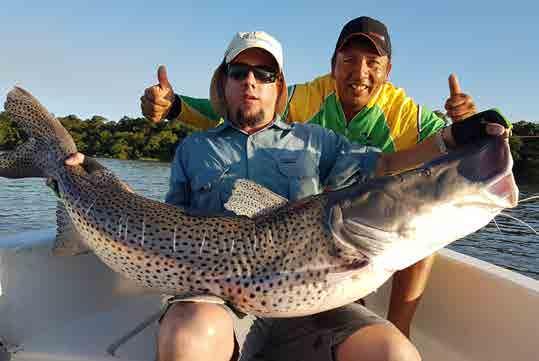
column 96, row 57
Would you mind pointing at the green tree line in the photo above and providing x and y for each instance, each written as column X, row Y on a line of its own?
column 525, row 150
column 129, row 138
column 138, row 138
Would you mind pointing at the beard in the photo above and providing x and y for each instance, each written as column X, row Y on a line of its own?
column 243, row 120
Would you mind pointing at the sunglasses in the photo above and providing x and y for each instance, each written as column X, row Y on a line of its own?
column 240, row 71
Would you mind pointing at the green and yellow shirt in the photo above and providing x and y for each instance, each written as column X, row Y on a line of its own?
column 391, row 121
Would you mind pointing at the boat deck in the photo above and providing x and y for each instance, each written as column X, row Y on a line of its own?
column 74, row 308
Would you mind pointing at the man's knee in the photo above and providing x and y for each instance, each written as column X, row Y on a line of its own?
column 195, row 331
column 381, row 342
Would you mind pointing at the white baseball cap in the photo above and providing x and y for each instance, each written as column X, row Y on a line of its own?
column 254, row 39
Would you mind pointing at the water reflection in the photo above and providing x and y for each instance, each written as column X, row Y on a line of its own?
column 511, row 244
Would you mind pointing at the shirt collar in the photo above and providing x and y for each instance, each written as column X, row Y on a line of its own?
column 225, row 124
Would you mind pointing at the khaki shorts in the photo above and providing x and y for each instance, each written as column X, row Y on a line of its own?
column 312, row 338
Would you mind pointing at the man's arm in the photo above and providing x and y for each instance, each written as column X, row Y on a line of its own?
column 306, row 99
column 159, row 102
column 460, row 107
column 465, row 132
column 196, row 113
column 406, row 291
column 459, row 134
column 390, row 163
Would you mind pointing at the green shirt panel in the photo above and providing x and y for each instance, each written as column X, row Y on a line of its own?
column 368, row 127
column 430, row 124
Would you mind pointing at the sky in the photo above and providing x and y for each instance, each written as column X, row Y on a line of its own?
column 97, row 57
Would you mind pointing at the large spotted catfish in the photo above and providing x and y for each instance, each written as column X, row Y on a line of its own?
column 274, row 258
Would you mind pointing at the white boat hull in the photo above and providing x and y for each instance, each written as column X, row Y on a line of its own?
column 74, row 308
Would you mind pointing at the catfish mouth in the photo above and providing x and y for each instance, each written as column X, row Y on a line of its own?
column 505, row 189
column 493, row 167
column 473, row 184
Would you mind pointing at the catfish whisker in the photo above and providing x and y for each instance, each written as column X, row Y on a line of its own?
column 497, row 226
column 529, row 199
column 520, row 221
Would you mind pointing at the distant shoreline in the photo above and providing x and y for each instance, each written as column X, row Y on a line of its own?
column 140, row 139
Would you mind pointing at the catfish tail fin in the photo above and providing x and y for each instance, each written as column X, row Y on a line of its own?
column 48, row 145
column 18, row 163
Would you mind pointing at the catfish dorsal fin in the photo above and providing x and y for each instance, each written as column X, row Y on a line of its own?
column 68, row 241
column 251, row 199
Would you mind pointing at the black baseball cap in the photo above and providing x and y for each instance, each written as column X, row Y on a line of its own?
column 370, row 28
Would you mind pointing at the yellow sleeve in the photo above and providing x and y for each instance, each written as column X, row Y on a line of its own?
column 307, row 98
column 197, row 113
column 402, row 116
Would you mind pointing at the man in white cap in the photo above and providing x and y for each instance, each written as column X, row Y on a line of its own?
column 248, row 91
column 355, row 100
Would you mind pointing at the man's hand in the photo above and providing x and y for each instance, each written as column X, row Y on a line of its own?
column 89, row 164
column 157, row 100
column 459, row 105
column 472, row 129
column 75, row 159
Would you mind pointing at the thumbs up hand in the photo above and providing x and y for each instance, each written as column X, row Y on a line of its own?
column 459, row 105
column 158, row 99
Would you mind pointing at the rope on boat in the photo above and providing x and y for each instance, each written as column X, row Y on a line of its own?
column 167, row 300
column 111, row 350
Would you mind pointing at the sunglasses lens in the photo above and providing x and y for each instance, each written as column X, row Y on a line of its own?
column 264, row 75
column 239, row 71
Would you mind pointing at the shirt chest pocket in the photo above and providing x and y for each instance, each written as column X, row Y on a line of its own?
column 207, row 189
column 301, row 172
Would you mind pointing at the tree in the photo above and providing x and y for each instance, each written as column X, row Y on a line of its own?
column 162, row 145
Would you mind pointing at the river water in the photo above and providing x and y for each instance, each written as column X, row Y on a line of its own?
column 27, row 204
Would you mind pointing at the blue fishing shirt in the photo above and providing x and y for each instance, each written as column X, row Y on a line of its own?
column 293, row 160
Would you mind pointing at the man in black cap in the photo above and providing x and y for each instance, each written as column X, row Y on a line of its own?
column 355, row 100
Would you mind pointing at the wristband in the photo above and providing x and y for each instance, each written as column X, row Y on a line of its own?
column 473, row 128
column 175, row 109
